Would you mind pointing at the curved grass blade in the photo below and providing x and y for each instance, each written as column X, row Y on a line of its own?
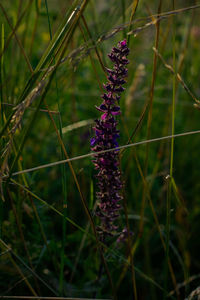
column 59, row 36
column 85, row 231
column 57, row 40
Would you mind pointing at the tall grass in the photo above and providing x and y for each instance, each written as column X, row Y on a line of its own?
column 52, row 70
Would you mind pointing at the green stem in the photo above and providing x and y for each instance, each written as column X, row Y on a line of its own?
column 2, row 113
column 64, row 177
column 169, row 195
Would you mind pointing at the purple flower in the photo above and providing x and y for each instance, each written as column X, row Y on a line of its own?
column 123, row 236
column 105, row 137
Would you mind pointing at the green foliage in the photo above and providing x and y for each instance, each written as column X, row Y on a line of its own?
column 48, row 86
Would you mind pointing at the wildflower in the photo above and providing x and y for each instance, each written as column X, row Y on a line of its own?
column 123, row 236
column 106, row 135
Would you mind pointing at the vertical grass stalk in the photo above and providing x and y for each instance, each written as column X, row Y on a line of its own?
column 169, row 195
column 1, row 73
column 134, row 8
column 2, row 113
column 64, row 177
column 123, row 18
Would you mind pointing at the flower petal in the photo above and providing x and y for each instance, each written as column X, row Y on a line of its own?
column 104, row 116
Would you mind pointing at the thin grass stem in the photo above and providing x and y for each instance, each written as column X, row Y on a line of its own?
column 169, row 195
column 104, row 151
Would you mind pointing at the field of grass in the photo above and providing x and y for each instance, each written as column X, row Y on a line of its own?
column 53, row 59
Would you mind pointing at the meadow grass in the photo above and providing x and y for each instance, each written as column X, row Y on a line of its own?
column 53, row 56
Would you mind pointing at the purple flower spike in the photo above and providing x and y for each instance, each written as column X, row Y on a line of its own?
column 123, row 43
column 106, row 135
